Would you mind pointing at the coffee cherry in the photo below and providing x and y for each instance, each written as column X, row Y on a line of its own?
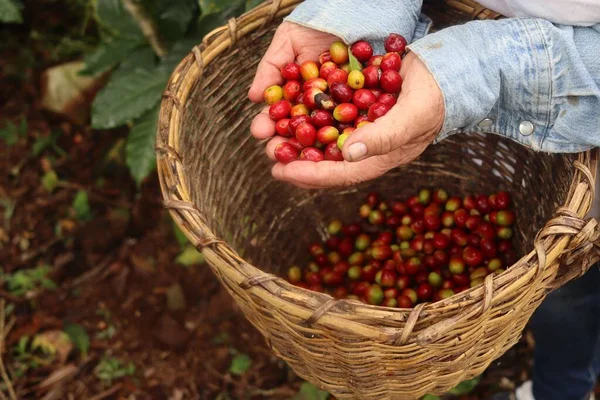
column 440, row 196
column 354, row 272
column 505, row 218
column 285, row 153
column 482, row 204
column 376, row 217
column 486, row 230
column 337, row 76
column 441, row 258
column 441, row 241
column 362, row 242
column 362, row 50
column 473, row 222
column 333, row 242
column 279, row 110
column 382, row 253
column 377, row 110
column 324, row 57
column 273, row 94
column 375, row 60
column 459, row 237
column 341, row 92
column 333, row 153
column 318, row 83
column 502, row 200
column 448, row 219
column 388, row 99
column 432, row 222
column 339, row 53
column 418, row 225
column 363, row 99
column 472, row 256
column 295, row 122
column 327, row 134
column 388, row 278
column 327, row 69
column 371, row 75
column 309, row 70
column 374, row 295
column 474, row 239
column 445, row 293
column 453, row 204
column 413, row 265
column 294, row 274
column 311, row 154
column 310, row 97
column 488, row 248
column 282, row 127
column 504, row 232
column 460, row 217
column 391, row 81
column 395, row 43
column 494, row 264
column 291, row 72
column 391, row 61
column 299, row 109
column 306, row 134
column 404, row 232
column 345, row 112
column 356, row 80
column 341, row 140
column 291, row 90
column 479, row 273
column 435, row 279
column 334, row 227
column 425, row 291
column 321, row 118
column 411, row 294
column 334, row 257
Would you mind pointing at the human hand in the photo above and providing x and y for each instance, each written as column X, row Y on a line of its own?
column 392, row 140
column 292, row 42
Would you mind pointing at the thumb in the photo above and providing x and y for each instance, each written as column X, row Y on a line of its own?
column 380, row 137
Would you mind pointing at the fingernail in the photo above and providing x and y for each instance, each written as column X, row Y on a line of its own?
column 357, row 151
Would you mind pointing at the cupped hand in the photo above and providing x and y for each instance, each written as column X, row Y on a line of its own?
column 392, row 140
column 291, row 43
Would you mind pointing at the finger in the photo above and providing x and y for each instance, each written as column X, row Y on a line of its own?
column 327, row 174
column 268, row 73
column 381, row 137
column 270, row 148
column 262, row 126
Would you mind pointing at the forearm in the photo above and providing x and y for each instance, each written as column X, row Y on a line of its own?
column 526, row 79
column 372, row 20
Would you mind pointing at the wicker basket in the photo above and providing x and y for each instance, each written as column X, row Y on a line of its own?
column 216, row 181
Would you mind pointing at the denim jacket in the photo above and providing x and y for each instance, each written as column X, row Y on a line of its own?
column 527, row 79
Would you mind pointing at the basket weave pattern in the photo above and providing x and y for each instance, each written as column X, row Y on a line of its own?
column 216, row 181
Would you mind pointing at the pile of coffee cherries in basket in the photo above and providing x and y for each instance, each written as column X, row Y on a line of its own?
column 404, row 253
column 322, row 102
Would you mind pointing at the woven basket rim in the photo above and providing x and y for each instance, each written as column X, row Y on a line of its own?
column 318, row 308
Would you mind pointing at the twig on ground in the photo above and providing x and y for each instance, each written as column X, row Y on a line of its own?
column 5, row 378
column 108, row 392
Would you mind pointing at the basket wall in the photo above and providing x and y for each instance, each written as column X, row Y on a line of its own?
column 217, row 180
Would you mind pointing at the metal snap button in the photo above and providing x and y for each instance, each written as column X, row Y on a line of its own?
column 526, row 128
column 486, row 123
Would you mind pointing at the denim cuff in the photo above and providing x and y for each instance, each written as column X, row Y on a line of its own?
column 353, row 20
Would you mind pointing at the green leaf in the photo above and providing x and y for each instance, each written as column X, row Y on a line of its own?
column 109, row 54
column 10, row 12
column 430, row 397
column 240, row 364
column 127, row 97
column 179, row 235
column 465, row 387
column 190, row 256
column 216, row 13
column 82, row 206
column 250, row 4
column 79, row 337
column 178, row 52
column 308, row 391
column 143, row 57
column 50, row 180
column 139, row 150
column 355, row 65
column 112, row 15
column 173, row 16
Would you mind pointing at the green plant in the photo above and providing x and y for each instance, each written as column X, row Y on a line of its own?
column 25, row 280
column 11, row 133
column 110, row 369
column 10, row 11
column 141, row 62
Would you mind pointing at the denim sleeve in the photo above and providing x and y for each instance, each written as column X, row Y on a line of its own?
column 524, row 78
column 372, row 20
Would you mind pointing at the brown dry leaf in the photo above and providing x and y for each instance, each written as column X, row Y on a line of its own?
column 67, row 93
column 60, row 376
